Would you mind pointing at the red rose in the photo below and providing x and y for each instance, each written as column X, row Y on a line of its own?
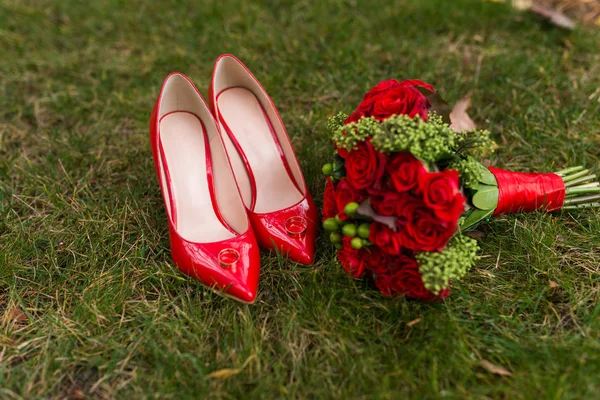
column 385, row 203
column 385, row 238
column 379, row 89
column 419, row 228
column 405, row 208
column 441, row 193
column 401, row 276
column 405, row 171
column 341, row 152
column 402, row 100
column 365, row 108
column 329, row 199
column 387, row 284
column 353, row 261
column 377, row 259
column 364, row 166
column 387, row 276
column 410, row 282
column 393, row 97
column 376, row 92
column 344, row 194
column 424, row 231
column 381, row 187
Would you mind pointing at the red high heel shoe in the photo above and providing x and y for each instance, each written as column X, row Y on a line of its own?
column 211, row 235
column 266, row 170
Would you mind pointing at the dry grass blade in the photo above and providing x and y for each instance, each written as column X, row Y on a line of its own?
column 414, row 322
column 227, row 372
column 494, row 369
column 223, row 373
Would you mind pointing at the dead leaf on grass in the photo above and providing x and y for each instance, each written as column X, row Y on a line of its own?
column 562, row 13
column 475, row 234
column 494, row 369
column 438, row 104
column 14, row 314
column 521, row 4
column 556, row 17
column 76, row 394
column 414, row 322
column 553, row 284
column 459, row 117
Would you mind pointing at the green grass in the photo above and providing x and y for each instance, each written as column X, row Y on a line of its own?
column 84, row 246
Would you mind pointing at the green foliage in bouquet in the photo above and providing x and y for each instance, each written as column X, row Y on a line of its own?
column 438, row 268
column 436, row 144
column 431, row 142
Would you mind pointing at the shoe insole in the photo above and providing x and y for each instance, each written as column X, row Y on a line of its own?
column 183, row 140
column 249, row 124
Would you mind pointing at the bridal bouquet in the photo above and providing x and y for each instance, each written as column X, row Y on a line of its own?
column 403, row 186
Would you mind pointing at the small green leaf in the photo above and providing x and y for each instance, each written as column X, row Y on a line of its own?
column 338, row 163
column 485, row 197
column 488, row 178
column 468, row 211
column 339, row 174
column 475, row 217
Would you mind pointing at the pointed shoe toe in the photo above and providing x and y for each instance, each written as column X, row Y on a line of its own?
column 291, row 231
column 229, row 267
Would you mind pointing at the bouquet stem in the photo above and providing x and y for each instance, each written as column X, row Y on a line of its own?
column 580, row 206
column 570, row 188
column 580, row 191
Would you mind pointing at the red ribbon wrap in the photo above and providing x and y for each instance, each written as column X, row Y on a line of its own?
column 528, row 192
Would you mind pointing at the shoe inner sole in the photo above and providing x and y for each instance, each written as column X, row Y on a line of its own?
column 184, row 142
column 243, row 114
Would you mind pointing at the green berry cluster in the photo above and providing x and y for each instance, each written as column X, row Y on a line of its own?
column 336, row 122
column 357, row 230
column 437, row 269
column 347, row 136
column 470, row 171
column 430, row 141
column 475, row 143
